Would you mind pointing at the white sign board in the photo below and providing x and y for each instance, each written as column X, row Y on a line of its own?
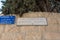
column 31, row 21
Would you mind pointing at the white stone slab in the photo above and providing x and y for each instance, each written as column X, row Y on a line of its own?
column 31, row 21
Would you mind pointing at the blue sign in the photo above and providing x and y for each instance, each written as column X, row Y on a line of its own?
column 7, row 19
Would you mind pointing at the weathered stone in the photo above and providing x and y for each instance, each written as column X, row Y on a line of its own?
column 32, row 32
column 9, row 28
column 2, row 29
column 59, row 28
column 52, row 21
column 58, row 20
column 52, row 28
column 52, row 36
column 11, row 36
column 49, row 32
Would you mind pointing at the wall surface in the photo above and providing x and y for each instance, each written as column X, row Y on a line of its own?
column 49, row 32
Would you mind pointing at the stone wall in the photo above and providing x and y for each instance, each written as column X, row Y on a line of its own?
column 49, row 32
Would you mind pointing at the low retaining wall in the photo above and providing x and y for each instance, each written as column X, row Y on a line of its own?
column 49, row 32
